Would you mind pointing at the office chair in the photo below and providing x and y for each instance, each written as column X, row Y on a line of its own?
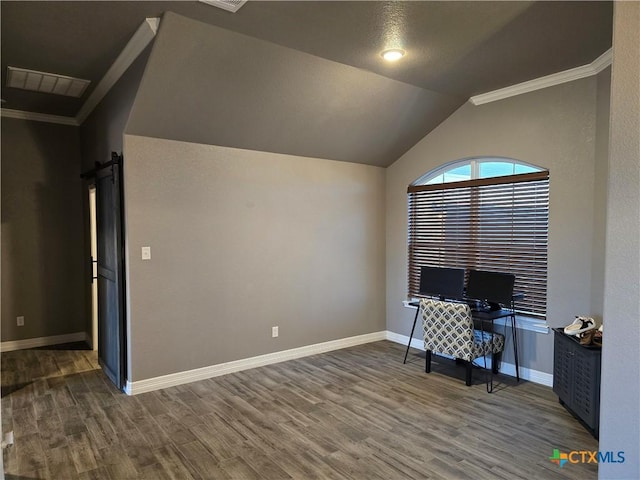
column 448, row 329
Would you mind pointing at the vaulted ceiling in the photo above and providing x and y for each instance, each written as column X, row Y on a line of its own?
column 454, row 49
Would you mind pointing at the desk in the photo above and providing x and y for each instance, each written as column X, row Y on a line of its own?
column 491, row 317
column 483, row 317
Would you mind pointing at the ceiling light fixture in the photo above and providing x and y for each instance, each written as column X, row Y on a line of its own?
column 393, row 54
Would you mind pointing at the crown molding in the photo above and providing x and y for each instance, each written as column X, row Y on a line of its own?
column 593, row 68
column 40, row 117
column 143, row 36
column 603, row 61
column 139, row 41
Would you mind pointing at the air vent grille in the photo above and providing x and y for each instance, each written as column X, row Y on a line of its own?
column 228, row 5
column 45, row 82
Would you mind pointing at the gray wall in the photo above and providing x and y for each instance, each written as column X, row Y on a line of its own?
column 102, row 133
column 42, row 238
column 620, row 392
column 205, row 84
column 553, row 128
column 242, row 241
column 600, row 193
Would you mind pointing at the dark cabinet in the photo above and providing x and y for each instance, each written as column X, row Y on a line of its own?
column 576, row 379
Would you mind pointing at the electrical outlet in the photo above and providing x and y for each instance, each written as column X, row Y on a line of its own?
column 20, row 321
column 274, row 332
column 146, row 253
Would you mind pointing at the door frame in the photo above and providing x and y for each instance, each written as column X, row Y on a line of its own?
column 93, row 260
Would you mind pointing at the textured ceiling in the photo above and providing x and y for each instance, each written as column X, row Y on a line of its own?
column 237, row 91
column 458, row 48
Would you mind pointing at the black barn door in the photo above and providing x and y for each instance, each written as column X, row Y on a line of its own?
column 111, row 316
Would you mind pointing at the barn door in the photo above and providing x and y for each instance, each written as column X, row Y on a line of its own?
column 111, row 312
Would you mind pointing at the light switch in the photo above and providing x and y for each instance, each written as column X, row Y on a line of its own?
column 146, row 253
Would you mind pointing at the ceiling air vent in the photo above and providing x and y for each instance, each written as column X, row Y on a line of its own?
column 228, row 5
column 45, row 82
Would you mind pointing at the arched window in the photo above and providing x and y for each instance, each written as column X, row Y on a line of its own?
column 472, row 168
column 485, row 214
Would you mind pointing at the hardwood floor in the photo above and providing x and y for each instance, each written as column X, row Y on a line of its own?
column 357, row 413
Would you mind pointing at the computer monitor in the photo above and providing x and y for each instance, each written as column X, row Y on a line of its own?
column 491, row 287
column 442, row 282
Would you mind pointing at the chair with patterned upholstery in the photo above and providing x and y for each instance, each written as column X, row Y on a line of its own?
column 448, row 329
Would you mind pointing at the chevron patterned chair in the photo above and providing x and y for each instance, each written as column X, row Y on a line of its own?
column 448, row 329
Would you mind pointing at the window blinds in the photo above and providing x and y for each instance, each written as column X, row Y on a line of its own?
column 498, row 224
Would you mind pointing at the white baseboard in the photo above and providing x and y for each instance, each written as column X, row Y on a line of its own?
column 179, row 378
column 531, row 375
column 12, row 345
column 403, row 339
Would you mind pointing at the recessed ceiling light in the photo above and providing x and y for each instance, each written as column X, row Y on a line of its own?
column 393, row 54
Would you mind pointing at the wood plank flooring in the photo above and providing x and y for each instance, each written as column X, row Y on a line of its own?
column 357, row 413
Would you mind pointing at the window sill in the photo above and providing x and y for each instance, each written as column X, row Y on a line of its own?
column 523, row 322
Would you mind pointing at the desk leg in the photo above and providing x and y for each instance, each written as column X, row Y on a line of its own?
column 415, row 319
column 490, row 373
column 495, row 359
column 514, row 336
